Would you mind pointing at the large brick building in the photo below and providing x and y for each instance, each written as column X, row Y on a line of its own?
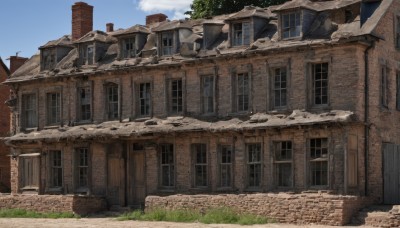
column 301, row 97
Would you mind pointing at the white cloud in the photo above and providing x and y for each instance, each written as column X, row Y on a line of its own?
column 177, row 6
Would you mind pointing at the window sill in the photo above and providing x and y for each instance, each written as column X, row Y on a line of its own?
column 31, row 129
column 52, row 126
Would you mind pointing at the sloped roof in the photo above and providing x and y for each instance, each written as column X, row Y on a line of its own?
column 171, row 25
column 64, row 41
column 3, row 65
column 251, row 11
column 96, row 36
column 182, row 124
column 131, row 30
column 316, row 6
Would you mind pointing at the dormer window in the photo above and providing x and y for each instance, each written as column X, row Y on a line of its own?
column 129, row 47
column 291, row 25
column 241, row 34
column 87, row 54
column 48, row 59
column 167, row 43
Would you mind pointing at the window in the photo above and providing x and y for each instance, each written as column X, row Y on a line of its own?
column 129, row 48
column 318, row 161
column 225, row 158
column 280, row 87
column 291, row 25
column 384, row 87
column 241, row 34
column 199, row 155
column 87, row 54
column 243, row 91
column 320, row 83
column 144, row 99
column 167, row 165
column 30, row 173
column 167, row 43
column 208, row 94
column 82, row 168
column 254, row 165
column 56, row 169
column 398, row 91
column 112, row 101
column 176, row 96
column 29, row 114
column 283, row 163
column 49, row 59
column 53, row 108
column 85, row 103
column 397, row 32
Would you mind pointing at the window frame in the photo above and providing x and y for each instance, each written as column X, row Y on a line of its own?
column 172, row 173
column 241, row 40
column 81, row 103
column 242, row 94
column 31, row 111
column 167, row 50
column 277, row 145
column 48, row 58
column 53, row 169
column 127, row 53
column 148, row 101
column 34, row 176
column 250, row 186
column 50, row 119
column 111, row 104
column 397, row 31
column 318, row 160
column 205, row 98
column 179, row 109
column 314, row 86
column 398, row 90
column 88, row 54
column 202, row 148
column 274, row 89
column 291, row 27
column 230, row 166
column 384, row 87
column 78, row 166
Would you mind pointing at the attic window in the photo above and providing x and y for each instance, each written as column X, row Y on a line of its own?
column 291, row 25
column 129, row 49
column 49, row 59
column 167, row 43
column 241, row 34
column 87, row 54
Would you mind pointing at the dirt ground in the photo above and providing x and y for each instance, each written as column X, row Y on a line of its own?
column 111, row 223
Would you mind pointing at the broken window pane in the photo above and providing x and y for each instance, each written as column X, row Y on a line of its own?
column 199, row 153
column 144, row 99
column 320, row 83
column 167, row 165
column 254, row 165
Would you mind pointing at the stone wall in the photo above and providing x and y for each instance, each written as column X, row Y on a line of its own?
column 305, row 208
column 80, row 205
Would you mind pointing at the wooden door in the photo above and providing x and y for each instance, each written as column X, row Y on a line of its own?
column 391, row 173
column 116, row 180
column 137, row 182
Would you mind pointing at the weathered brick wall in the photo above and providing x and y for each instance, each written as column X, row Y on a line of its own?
column 81, row 205
column 304, row 208
column 5, row 184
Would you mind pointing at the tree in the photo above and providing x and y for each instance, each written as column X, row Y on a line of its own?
column 208, row 8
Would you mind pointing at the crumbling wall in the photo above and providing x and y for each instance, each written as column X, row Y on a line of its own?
column 305, row 208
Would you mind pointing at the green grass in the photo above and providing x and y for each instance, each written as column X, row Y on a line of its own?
column 21, row 213
column 212, row 216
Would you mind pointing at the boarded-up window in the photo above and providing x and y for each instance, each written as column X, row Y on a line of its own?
column 112, row 101
column 320, row 83
column 318, row 161
column 56, row 168
column 199, row 158
column 208, row 94
column 241, row 34
column 352, row 161
column 167, row 165
column 283, row 153
column 254, row 161
column 30, row 172
column 53, row 108
column 176, row 96
column 29, row 114
column 225, row 160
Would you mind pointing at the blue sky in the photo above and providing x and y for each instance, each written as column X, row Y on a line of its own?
column 28, row 24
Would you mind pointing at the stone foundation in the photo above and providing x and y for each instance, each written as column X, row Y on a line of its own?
column 80, row 205
column 305, row 208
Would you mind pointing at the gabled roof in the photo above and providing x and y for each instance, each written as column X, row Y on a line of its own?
column 64, row 41
column 131, row 30
column 2, row 65
column 171, row 25
column 316, row 6
column 96, row 35
column 251, row 11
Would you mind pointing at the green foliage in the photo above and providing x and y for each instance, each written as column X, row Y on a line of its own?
column 212, row 216
column 208, row 8
column 21, row 213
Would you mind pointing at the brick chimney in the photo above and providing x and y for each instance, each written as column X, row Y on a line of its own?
column 155, row 18
column 82, row 19
column 110, row 27
column 16, row 62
